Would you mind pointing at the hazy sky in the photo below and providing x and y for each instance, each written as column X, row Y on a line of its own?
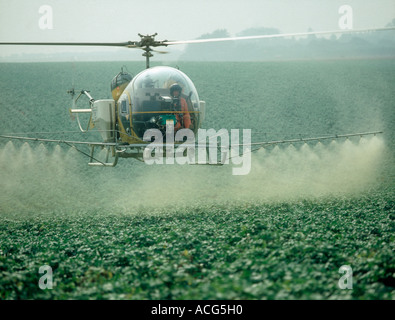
column 121, row 20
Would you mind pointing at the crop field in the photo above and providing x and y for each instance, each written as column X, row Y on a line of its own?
column 137, row 231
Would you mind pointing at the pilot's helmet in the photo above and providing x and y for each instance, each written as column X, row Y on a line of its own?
column 175, row 87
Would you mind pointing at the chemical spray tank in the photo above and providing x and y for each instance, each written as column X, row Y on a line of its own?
column 103, row 111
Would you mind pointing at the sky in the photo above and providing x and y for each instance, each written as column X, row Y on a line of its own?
column 122, row 20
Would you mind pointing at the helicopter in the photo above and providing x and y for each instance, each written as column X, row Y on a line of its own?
column 146, row 102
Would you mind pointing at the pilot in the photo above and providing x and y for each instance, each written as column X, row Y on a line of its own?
column 180, row 104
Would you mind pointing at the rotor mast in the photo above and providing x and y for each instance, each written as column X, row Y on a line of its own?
column 147, row 54
column 148, row 41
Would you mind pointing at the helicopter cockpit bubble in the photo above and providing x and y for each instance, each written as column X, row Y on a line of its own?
column 154, row 100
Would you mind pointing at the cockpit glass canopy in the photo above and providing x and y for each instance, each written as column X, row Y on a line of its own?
column 149, row 99
column 162, row 78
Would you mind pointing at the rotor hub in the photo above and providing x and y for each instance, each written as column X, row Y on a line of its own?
column 148, row 41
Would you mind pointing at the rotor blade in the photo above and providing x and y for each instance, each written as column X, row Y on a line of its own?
column 136, row 44
column 129, row 44
column 280, row 35
column 161, row 52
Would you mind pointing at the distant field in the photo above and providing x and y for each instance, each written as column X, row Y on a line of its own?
column 177, row 232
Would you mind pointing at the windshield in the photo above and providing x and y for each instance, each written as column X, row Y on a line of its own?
column 149, row 97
